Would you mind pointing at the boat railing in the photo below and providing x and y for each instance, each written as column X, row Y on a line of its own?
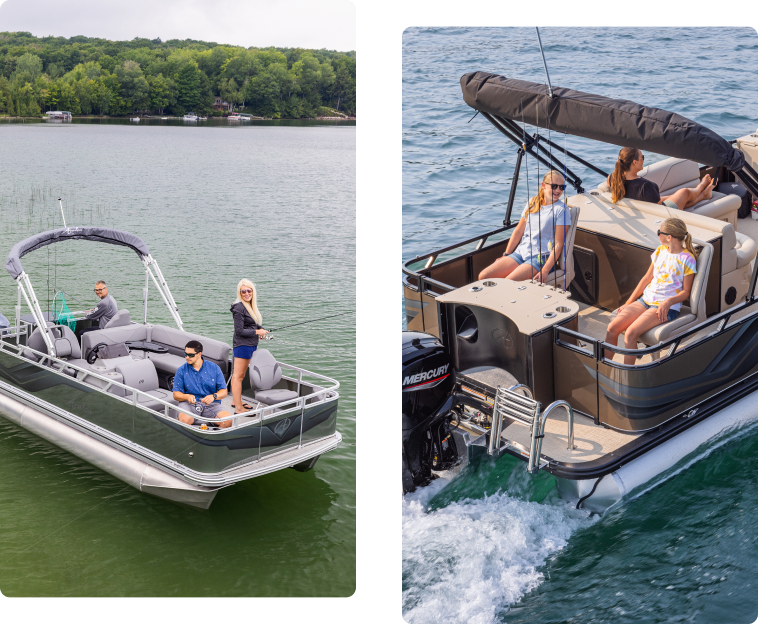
column 431, row 258
column 596, row 348
column 522, row 408
column 131, row 395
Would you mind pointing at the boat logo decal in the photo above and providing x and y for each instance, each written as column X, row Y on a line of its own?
column 428, row 379
column 503, row 338
column 282, row 426
column 69, row 231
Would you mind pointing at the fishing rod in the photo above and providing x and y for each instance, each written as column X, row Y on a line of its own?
column 269, row 337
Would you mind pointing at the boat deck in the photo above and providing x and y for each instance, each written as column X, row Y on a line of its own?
column 590, row 441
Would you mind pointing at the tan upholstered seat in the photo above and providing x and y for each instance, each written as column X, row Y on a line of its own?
column 569, row 255
column 688, row 316
column 672, row 174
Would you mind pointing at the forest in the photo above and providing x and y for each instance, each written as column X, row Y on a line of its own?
column 90, row 76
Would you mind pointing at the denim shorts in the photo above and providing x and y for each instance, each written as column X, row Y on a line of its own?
column 244, row 353
column 671, row 315
column 534, row 261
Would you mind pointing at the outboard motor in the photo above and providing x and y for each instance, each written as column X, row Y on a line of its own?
column 428, row 382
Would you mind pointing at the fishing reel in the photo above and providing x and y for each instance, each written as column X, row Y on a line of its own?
column 267, row 337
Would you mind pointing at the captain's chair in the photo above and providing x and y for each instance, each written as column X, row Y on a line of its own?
column 688, row 316
column 120, row 319
column 265, row 373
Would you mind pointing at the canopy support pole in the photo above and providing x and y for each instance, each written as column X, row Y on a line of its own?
column 166, row 296
column 24, row 284
column 168, row 291
column 144, row 296
column 18, row 314
column 514, row 184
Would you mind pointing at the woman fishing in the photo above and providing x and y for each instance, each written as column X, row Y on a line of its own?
column 658, row 297
column 247, row 331
column 537, row 241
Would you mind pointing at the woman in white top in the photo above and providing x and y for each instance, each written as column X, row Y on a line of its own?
column 537, row 241
column 659, row 295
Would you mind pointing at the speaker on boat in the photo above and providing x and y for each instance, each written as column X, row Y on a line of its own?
column 735, row 188
column 428, row 381
column 584, row 285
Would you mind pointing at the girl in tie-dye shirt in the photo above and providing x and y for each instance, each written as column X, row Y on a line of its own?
column 659, row 295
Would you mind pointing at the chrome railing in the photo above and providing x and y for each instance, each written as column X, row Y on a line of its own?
column 524, row 409
column 131, row 395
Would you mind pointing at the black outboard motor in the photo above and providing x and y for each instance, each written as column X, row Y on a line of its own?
column 428, row 382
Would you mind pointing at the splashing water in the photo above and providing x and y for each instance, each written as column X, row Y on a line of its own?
column 470, row 559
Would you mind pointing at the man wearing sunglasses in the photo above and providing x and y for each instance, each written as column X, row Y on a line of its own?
column 199, row 386
column 103, row 311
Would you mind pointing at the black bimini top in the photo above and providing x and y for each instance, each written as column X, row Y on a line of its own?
column 96, row 234
column 619, row 122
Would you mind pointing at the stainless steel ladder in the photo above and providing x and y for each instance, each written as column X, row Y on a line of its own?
column 522, row 408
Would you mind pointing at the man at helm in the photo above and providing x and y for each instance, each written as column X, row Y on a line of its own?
column 103, row 311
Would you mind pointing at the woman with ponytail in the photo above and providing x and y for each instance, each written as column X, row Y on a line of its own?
column 247, row 330
column 624, row 182
column 659, row 295
column 537, row 241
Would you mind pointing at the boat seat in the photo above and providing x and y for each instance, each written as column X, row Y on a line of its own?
column 688, row 316
column 141, row 374
column 120, row 319
column 175, row 339
column 265, row 373
column 672, row 174
column 569, row 255
column 112, row 335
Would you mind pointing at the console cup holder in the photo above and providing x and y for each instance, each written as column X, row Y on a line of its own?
column 489, row 284
column 563, row 309
column 476, row 288
column 549, row 315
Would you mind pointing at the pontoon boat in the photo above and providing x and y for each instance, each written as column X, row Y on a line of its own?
column 500, row 366
column 108, row 398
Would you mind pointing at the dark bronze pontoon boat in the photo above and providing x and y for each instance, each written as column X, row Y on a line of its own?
column 520, row 367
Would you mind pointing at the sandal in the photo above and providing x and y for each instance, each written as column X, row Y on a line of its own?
column 245, row 406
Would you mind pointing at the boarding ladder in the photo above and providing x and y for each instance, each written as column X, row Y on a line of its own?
column 516, row 403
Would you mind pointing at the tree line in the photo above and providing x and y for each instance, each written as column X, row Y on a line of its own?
column 90, row 76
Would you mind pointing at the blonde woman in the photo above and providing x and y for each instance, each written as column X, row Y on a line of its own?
column 537, row 241
column 247, row 331
column 659, row 295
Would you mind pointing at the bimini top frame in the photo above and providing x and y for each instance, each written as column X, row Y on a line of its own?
column 506, row 102
column 94, row 234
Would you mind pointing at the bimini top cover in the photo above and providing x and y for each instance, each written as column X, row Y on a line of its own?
column 619, row 122
column 96, row 234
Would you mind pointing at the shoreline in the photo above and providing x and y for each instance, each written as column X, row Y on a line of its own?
column 160, row 118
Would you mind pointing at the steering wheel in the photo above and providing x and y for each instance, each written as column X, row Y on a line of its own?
column 92, row 355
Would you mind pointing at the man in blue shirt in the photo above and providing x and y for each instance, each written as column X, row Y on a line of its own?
column 200, row 386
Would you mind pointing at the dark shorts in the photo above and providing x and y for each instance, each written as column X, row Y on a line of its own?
column 244, row 353
column 671, row 315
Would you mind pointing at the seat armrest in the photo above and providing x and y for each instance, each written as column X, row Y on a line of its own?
column 746, row 249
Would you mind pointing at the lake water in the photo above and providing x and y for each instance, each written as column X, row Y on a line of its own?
column 492, row 544
column 273, row 202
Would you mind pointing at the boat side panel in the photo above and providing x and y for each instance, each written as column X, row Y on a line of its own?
column 69, row 394
column 643, row 397
column 319, row 422
column 575, row 379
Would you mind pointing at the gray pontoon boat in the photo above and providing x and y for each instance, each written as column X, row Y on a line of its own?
column 500, row 366
column 108, row 399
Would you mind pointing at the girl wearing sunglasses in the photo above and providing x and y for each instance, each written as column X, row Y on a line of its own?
column 659, row 295
column 537, row 241
column 247, row 330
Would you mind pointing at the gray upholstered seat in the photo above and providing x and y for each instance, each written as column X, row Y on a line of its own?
column 141, row 374
column 120, row 319
column 265, row 373
column 688, row 316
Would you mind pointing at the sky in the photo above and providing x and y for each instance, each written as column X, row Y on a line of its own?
column 259, row 23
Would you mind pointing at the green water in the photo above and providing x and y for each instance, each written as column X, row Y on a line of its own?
column 213, row 204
